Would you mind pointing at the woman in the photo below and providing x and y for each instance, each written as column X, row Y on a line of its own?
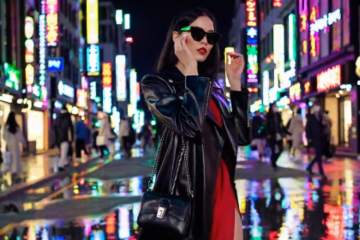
column 275, row 133
column 13, row 136
column 106, row 134
column 184, row 97
column 259, row 134
column 297, row 129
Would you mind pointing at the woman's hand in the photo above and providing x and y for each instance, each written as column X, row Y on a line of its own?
column 234, row 68
column 186, row 58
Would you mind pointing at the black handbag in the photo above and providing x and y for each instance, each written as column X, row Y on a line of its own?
column 167, row 213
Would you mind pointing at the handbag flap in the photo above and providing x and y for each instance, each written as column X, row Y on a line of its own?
column 178, row 207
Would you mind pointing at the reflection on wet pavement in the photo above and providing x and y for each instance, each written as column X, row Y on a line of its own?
column 276, row 208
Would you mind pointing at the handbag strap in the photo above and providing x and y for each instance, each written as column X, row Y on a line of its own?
column 183, row 155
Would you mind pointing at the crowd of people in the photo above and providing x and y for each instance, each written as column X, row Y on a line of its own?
column 268, row 130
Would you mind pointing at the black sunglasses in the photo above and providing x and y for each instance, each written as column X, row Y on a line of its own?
column 198, row 34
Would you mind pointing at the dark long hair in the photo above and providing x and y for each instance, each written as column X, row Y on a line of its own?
column 270, row 114
column 11, row 123
column 168, row 59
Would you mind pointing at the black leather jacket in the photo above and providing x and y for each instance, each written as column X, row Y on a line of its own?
column 181, row 104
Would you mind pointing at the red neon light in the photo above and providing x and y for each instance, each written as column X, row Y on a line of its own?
column 307, row 87
column 110, row 224
column 329, row 78
column 251, row 13
column 107, row 75
column 303, row 22
column 277, row 3
column 129, row 40
column 52, row 23
column 253, row 90
column 304, row 46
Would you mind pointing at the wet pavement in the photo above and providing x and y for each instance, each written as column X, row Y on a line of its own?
column 104, row 201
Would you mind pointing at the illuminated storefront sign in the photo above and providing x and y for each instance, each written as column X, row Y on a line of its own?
column 93, row 90
column 92, row 21
column 279, row 54
column 295, row 92
column 328, row 79
column 93, row 60
column 52, row 22
column 107, row 86
column 265, row 87
column 314, row 36
column 56, row 64
column 12, row 77
column 127, row 21
column 29, row 50
column 325, row 21
column 288, row 75
column 39, row 89
column 357, row 64
column 121, row 77
column 226, row 58
column 277, row 3
column 272, row 95
column 133, row 93
column 119, row 17
column 252, row 67
column 256, row 106
column 81, row 98
column 65, row 90
column 307, row 87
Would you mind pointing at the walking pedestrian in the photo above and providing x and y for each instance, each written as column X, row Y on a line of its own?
column 195, row 166
column 64, row 136
column 296, row 129
column 81, row 135
column 105, row 134
column 124, row 136
column 259, row 134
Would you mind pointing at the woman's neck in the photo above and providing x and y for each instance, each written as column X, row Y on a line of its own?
column 180, row 67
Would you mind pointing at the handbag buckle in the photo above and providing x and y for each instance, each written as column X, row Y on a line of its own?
column 161, row 212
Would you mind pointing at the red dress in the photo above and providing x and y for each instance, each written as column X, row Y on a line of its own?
column 224, row 198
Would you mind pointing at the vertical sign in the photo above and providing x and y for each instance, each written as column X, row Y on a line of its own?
column 107, row 86
column 277, row 3
column 252, row 67
column 41, row 89
column 279, row 56
column 127, row 21
column 265, row 87
column 92, row 21
column 227, row 49
column 29, row 52
column 120, row 77
column 52, row 26
column 93, row 60
column 133, row 92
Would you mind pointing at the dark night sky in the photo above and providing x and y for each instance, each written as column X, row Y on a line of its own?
column 150, row 20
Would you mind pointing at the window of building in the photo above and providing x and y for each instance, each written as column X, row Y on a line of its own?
column 102, row 13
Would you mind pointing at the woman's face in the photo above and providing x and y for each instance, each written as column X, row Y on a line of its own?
column 200, row 49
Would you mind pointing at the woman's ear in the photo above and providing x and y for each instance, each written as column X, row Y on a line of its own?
column 175, row 35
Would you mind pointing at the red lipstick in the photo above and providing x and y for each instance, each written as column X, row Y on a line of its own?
column 202, row 51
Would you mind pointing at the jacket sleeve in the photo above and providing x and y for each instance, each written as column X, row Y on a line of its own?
column 240, row 112
column 182, row 114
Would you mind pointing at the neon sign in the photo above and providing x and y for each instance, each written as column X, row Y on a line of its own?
column 251, row 18
column 119, row 17
column 29, row 50
column 277, row 3
column 133, row 94
column 325, row 21
column 12, row 77
column 56, row 64
column 265, row 87
column 92, row 21
column 107, row 86
column 307, row 87
column 329, row 79
column 65, row 90
column 279, row 55
column 127, row 21
column 93, row 90
column 52, row 22
column 295, row 92
column 81, row 98
column 42, row 45
column 313, row 34
column 226, row 58
column 93, row 60
column 120, row 77
column 252, row 42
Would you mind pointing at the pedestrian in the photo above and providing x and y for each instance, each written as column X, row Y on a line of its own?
column 124, row 136
column 259, row 134
column 105, row 134
column 196, row 161
column 297, row 129
column 64, row 137
column 275, row 132
column 94, row 134
column 81, row 138
column 13, row 137
column 289, row 138
column 329, row 150
column 316, row 136
column 146, row 135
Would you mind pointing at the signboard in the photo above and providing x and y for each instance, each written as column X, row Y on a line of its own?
column 81, row 98
column 252, row 67
column 279, row 53
column 121, row 77
column 107, row 86
column 325, row 21
column 295, row 92
column 119, row 18
column 329, row 79
column 93, row 60
column 127, row 21
column 56, row 64
column 93, row 90
column 12, row 77
column 133, row 90
column 29, row 50
column 277, row 3
column 52, row 22
column 92, row 21
column 65, row 90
